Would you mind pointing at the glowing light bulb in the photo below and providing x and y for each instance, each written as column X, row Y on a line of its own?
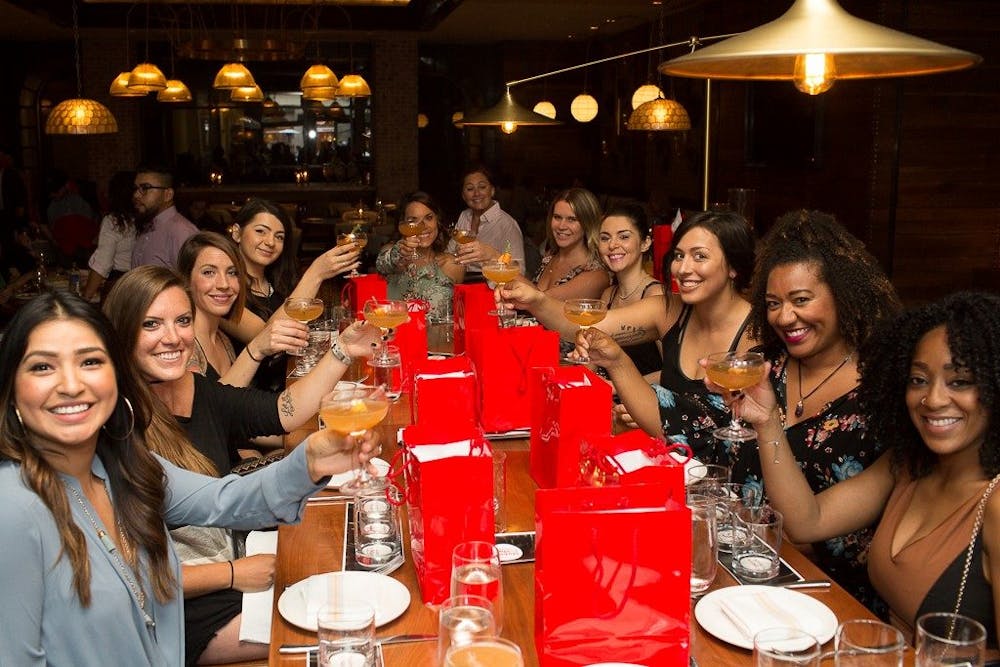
column 814, row 73
column 508, row 127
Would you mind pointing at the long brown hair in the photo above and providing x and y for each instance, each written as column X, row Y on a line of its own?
column 136, row 479
column 126, row 306
column 188, row 255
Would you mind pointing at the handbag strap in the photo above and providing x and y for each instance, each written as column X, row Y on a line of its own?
column 976, row 527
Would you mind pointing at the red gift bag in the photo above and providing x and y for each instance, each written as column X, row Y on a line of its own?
column 449, row 496
column 445, row 391
column 612, row 575
column 470, row 311
column 360, row 289
column 503, row 359
column 631, row 457
column 567, row 403
column 411, row 339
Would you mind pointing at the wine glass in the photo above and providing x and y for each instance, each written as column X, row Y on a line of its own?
column 735, row 371
column 303, row 310
column 461, row 237
column 412, row 227
column 585, row 313
column 352, row 412
column 358, row 238
column 386, row 314
column 475, row 570
column 500, row 273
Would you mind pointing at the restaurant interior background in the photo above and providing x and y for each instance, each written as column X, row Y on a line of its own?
column 909, row 165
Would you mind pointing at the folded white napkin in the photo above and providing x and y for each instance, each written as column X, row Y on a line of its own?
column 257, row 607
column 753, row 612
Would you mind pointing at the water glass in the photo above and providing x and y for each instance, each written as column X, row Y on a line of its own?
column 346, row 635
column 950, row 639
column 494, row 652
column 319, row 344
column 706, row 475
column 704, row 544
column 475, row 570
column 377, row 534
column 387, row 371
column 463, row 619
column 784, row 647
column 732, row 497
column 863, row 643
column 756, row 543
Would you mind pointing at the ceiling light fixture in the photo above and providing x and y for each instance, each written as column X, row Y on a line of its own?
column 233, row 75
column 659, row 115
column 176, row 91
column 816, row 43
column 545, row 108
column 80, row 115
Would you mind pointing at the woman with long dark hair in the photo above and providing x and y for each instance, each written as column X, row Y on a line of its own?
column 113, row 255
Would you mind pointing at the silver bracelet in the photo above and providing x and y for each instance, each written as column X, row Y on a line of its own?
column 339, row 354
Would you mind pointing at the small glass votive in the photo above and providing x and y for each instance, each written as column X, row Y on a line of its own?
column 377, row 534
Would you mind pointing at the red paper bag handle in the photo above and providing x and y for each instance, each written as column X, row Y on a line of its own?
column 395, row 474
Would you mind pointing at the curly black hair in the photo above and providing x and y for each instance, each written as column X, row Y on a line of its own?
column 972, row 322
column 863, row 294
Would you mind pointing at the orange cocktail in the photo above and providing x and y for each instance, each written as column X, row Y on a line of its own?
column 303, row 310
column 734, row 378
column 501, row 273
column 355, row 415
column 485, row 653
column 585, row 312
column 385, row 316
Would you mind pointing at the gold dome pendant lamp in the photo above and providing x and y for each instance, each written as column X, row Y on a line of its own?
column 814, row 44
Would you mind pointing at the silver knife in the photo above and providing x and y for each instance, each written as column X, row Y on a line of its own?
column 392, row 639
column 806, row 583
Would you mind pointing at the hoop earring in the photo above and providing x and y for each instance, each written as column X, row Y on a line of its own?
column 131, row 423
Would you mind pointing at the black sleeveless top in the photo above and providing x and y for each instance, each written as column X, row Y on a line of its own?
column 977, row 601
column 646, row 355
column 689, row 412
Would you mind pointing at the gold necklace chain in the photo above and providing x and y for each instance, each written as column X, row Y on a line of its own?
column 112, row 549
column 621, row 295
column 976, row 527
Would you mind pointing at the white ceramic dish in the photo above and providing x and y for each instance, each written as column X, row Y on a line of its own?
column 301, row 601
column 789, row 609
column 343, row 478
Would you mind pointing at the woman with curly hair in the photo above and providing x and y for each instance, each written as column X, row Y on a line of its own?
column 816, row 298
column 931, row 381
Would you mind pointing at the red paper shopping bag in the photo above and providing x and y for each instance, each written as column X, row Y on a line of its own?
column 449, row 496
column 411, row 339
column 568, row 403
column 612, row 575
column 360, row 289
column 445, row 391
column 503, row 359
column 470, row 311
column 631, row 457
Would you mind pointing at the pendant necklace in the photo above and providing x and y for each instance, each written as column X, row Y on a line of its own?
column 799, row 408
column 623, row 296
column 112, row 549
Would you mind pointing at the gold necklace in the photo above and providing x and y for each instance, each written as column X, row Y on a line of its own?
column 112, row 549
column 799, row 408
column 623, row 296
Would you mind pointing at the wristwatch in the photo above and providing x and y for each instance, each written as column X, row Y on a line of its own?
column 339, row 354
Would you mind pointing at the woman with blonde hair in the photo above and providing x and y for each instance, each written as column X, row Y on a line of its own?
column 571, row 267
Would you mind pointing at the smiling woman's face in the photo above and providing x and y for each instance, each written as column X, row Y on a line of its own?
column 166, row 337
column 261, row 240
column 214, row 282
column 620, row 243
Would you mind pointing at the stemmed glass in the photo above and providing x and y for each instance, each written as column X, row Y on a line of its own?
column 585, row 313
column 735, row 371
column 386, row 314
column 461, row 237
column 358, row 238
column 500, row 273
column 303, row 310
column 411, row 227
column 352, row 412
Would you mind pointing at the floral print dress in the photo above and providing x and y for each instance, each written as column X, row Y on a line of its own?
column 425, row 281
column 830, row 447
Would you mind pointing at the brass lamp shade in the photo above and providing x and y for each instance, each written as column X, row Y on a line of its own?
column 176, row 91
column 659, row 115
column 233, row 75
column 508, row 111
column 323, row 94
column 318, row 76
column 80, row 116
column 856, row 49
column 353, row 85
column 247, row 94
column 119, row 87
column 146, row 78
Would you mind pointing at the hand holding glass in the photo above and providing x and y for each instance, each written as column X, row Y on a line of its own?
column 412, row 227
column 386, row 314
column 352, row 412
column 302, row 310
column 359, row 239
column 501, row 273
column 735, row 371
column 461, row 237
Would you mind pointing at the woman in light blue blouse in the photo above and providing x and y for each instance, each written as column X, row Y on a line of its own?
column 88, row 572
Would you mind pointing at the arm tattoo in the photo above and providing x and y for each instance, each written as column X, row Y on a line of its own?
column 286, row 406
column 629, row 334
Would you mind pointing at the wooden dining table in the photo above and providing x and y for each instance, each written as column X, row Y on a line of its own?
column 316, row 545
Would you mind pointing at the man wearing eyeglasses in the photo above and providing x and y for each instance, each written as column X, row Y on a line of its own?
column 160, row 228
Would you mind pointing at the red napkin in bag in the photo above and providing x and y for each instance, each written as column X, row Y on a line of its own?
column 503, row 359
column 449, row 495
column 567, row 404
column 612, row 575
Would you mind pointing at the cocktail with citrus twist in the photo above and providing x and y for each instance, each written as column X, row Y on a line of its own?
column 500, row 272
column 386, row 314
column 352, row 412
column 735, row 371
column 303, row 310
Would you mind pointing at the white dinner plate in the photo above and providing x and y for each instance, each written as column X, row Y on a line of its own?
column 343, row 478
column 805, row 612
column 301, row 601
column 688, row 477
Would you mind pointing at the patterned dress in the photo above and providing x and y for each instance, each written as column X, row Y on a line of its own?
column 830, row 447
column 416, row 281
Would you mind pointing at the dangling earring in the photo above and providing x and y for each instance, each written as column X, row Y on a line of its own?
column 17, row 413
column 131, row 422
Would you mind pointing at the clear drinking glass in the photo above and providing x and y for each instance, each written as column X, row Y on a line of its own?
column 386, row 314
column 386, row 371
column 785, row 647
column 950, row 639
column 462, row 619
column 864, row 643
column 495, row 652
column 346, row 635
column 755, row 543
column 475, row 570
column 359, row 239
column 704, row 543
